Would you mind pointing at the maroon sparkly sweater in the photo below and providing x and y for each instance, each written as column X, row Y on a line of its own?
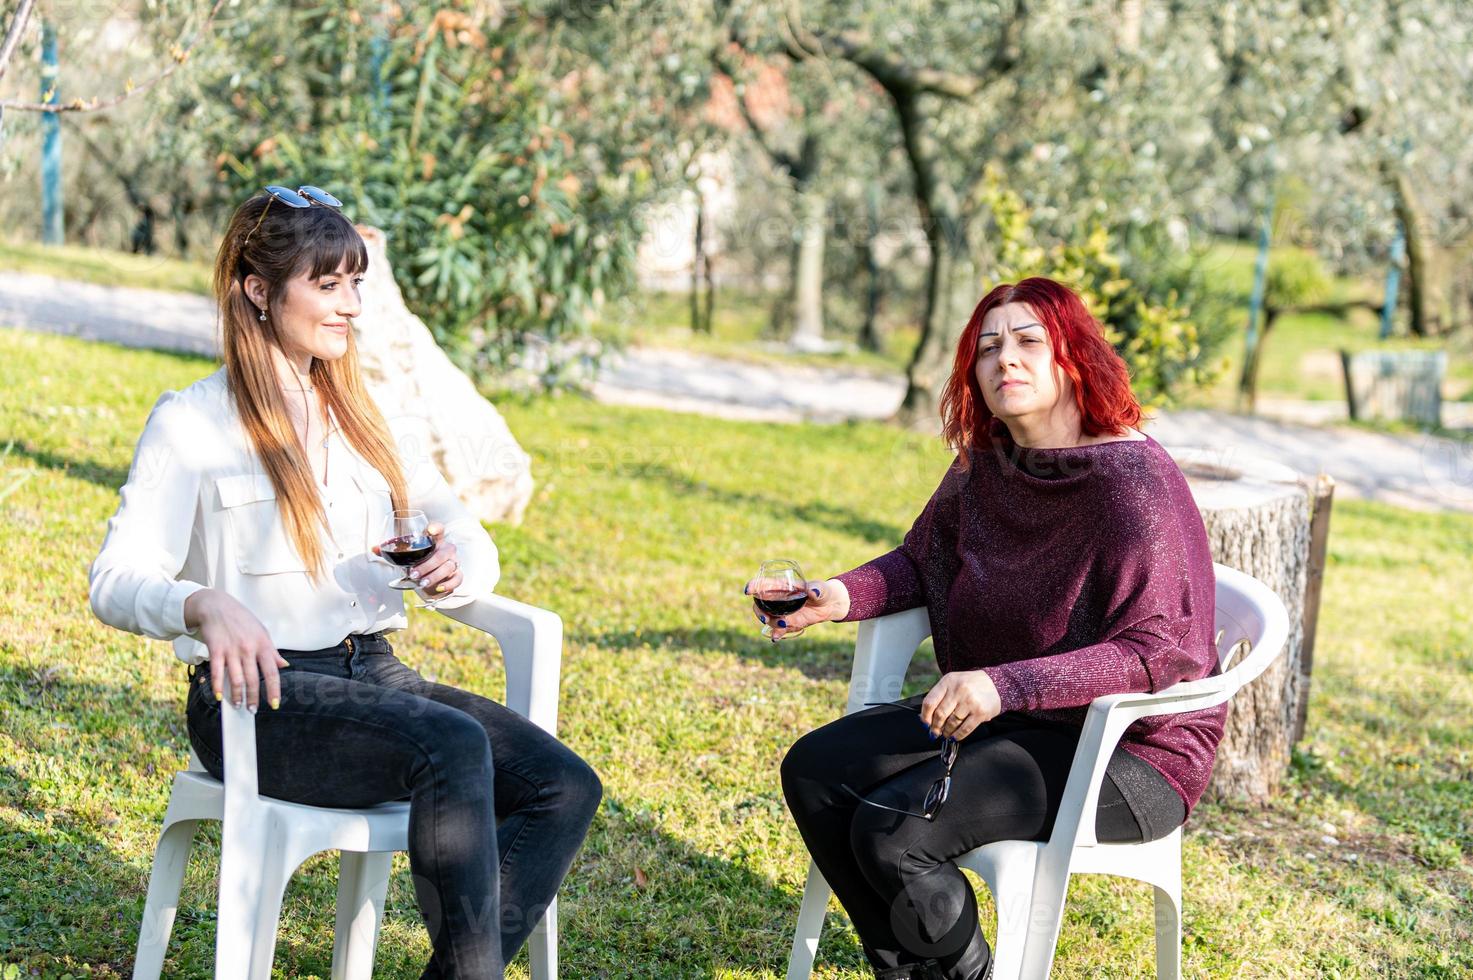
column 1066, row 574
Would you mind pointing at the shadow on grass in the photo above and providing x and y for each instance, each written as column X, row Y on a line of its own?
column 111, row 477
column 829, row 516
column 639, row 902
column 815, row 657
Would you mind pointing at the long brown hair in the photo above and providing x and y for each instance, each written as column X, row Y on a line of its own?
column 286, row 242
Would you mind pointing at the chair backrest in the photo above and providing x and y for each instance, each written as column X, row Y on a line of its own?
column 1251, row 625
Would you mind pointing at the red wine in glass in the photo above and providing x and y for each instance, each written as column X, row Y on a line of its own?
column 407, row 551
column 781, row 589
column 408, row 544
column 780, row 604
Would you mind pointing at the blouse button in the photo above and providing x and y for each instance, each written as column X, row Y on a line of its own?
column 353, row 603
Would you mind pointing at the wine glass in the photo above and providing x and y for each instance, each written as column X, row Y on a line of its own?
column 408, row 544
column 781, row 590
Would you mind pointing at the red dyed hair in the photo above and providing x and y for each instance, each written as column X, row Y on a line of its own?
column 1099, row 375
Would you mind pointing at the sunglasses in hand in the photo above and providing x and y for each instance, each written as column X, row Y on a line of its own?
column 940, row 790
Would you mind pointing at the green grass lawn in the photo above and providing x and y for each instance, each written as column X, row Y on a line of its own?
column 643, row 528
column 106, row 267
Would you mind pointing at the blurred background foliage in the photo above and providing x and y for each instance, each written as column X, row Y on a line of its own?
column 848, row 176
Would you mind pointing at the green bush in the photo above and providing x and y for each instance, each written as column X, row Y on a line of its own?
column 1295, row 278
column 444, row 129
column 1145, row 303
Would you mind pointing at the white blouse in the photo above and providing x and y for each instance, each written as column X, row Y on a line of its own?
column 198, row 511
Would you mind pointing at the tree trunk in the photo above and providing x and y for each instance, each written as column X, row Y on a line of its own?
column 1426, row 279
column 946, row 238
column 698, row 323
column 931, row 361
column 1248, row 383
column 427, row 399
column 869, row 330
column 808, row 274
column 1260, row 518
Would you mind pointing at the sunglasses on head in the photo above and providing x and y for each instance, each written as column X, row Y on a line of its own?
column 303, row 197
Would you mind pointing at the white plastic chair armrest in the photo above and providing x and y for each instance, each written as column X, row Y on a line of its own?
column 884, row 649
column 531, row 642
column 1108, row 718
column 1110, row 715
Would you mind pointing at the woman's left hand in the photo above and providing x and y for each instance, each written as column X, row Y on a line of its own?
column 439, row 574
column 960, row 701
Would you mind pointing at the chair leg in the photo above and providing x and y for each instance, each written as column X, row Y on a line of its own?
column 1012, row 893
column 542, row 945
column 363, row 883
column 241, row 875
column 276, row 875
column 170, row 859
column 810, row 924
column 256, row 863
column 1168, row 931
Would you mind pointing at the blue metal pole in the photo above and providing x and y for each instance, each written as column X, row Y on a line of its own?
column 378, row 52
column 51, row 204
column 1393, row 281
column 1260, row 277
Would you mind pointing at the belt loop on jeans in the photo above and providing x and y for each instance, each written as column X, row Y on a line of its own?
column 349, row 641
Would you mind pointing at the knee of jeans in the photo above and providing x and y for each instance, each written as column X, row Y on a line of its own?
column 460, row 742
column 581, row 788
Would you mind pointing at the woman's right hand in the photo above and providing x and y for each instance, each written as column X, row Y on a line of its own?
column 241, row 650
column 828, row 600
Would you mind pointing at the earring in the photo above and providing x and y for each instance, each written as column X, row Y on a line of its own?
column 262, row 317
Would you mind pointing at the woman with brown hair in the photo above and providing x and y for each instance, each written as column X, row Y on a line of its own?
column 247, row 533
column 1062, row 558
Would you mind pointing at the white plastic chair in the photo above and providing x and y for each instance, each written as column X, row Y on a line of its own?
column 1029, row 879
column 264, row 840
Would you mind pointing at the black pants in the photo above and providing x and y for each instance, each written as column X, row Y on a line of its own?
column 895, row 874
column 497, row 807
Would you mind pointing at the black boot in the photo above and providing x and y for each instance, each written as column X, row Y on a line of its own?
column 931, row 970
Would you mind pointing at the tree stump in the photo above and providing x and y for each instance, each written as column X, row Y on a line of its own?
column 1261, row 518
column 428, row 399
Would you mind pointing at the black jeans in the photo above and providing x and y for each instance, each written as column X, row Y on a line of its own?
column 895, row 874
column 498, row 807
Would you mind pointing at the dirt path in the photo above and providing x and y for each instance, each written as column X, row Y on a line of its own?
column 1425, row 472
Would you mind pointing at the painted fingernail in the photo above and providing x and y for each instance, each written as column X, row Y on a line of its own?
column 219, row 696
column 783, row 623
column 763, row 618
column 442, row 588
column 253, row 708
column 932, row 734
column 817, row 591
column 744, row 590
column 275, row 703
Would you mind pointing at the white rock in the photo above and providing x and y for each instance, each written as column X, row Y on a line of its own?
column 420, row 390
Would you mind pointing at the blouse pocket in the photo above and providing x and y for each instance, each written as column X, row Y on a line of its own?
column 248, row 502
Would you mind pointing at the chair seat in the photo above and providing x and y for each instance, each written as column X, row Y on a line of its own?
column 384, row 827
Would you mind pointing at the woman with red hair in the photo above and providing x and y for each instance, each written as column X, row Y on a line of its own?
column 1062, row 558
